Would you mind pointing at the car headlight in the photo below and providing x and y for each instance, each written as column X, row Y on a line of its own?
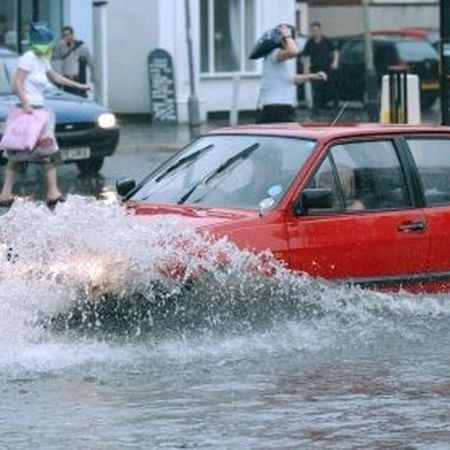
column 106, row 120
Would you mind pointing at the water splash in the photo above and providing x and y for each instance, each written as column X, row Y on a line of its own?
column 92, row 269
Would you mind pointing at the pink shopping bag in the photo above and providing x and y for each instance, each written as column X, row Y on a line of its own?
column 23, row 130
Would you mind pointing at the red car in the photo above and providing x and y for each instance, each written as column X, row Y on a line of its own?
column 365, row 204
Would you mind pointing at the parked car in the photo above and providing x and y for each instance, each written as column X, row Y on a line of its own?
column 366, row 204
column 416, row 55
column 431, row 35
column 86, row 132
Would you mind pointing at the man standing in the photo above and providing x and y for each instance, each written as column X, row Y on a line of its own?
column 71, row 58
column 277, row 93
column 320, row 54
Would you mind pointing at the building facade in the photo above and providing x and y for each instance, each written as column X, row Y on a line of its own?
column 341, row 17
column 224, row 32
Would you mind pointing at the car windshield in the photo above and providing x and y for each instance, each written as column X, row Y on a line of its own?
column 233, row 171
column 412, row 51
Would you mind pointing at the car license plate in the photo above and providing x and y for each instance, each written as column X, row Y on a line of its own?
column 429, row 86
column 75, row 153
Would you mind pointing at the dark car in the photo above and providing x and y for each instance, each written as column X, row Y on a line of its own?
column 416, row 55
column 430, row 35
column 86, row 132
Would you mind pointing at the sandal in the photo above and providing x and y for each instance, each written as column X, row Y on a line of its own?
column 7, row 203
column 51, row 203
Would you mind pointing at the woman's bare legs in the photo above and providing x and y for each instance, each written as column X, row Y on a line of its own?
column 51, row 178
column 8, row 185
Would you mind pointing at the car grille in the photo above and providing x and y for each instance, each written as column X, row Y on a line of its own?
column 68, row 127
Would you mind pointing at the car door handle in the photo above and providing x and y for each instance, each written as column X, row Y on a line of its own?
column 412, row 227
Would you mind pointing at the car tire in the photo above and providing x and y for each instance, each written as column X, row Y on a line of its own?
column 90, row 166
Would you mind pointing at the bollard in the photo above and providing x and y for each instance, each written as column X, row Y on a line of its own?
column 400, row 97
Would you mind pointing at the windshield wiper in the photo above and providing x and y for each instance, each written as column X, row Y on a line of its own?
column 182, row 161
column 242, row 155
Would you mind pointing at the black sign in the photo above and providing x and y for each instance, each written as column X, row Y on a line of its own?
column 162, row 87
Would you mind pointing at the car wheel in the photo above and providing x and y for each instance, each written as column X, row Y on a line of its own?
column 90, row 166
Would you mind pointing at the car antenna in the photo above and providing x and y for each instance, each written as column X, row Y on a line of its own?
column 339, row 114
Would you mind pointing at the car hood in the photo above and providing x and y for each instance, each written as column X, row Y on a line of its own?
column 67, row 108
column 218, row 220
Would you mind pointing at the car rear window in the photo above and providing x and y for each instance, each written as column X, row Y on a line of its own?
column 415, row 51
column 432, row 157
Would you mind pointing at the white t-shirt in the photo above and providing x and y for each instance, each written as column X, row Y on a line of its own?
column 277, row 82
column 36, row 80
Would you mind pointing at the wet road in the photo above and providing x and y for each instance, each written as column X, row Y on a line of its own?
column 296, row 364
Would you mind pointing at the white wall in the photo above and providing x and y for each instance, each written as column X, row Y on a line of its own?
column 78, row 14
column 132, row 31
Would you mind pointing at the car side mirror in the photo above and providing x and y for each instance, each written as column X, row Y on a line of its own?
column 124, row 186
column 317, row 198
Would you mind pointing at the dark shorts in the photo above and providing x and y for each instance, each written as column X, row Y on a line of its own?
column 276, row 113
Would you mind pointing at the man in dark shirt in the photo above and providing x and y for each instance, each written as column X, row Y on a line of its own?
column 320, row 54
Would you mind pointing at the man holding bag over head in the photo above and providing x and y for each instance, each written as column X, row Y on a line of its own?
column 277, row 93
column 30, row 80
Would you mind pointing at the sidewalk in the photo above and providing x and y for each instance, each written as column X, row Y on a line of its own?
column 139, row 135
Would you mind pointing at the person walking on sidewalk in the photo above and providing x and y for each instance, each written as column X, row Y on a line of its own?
column 277, row 93
column 71, row 58
column 320, row 54
column 30, row 80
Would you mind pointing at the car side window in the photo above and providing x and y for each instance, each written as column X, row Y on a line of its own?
column 432, row 157
column 370, row 176
column 325, row 178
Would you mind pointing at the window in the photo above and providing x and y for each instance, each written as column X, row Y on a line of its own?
column 363, row 176
column 14, row 29
column 227, row 35
column 325, row 178
column 432, row 157
column 244, row 171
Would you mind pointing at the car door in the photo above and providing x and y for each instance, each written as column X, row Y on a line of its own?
column 432, row 158
column 372, row 232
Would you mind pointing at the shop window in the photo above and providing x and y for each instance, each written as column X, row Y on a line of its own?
column 16, row 16
column 227, row 35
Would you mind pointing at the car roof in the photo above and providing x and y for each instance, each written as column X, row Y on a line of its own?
column 324, row 132
column 381, row 36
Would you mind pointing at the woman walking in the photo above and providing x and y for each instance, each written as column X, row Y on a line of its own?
column 30, row 80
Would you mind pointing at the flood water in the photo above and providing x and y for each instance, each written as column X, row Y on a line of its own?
column 239, row 361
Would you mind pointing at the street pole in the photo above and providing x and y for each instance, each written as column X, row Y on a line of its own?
column 100, row 52
column 444, row 10
column 370, row 75
column 193, row 103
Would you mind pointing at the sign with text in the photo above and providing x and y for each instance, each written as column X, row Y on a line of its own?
column 162, row 87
